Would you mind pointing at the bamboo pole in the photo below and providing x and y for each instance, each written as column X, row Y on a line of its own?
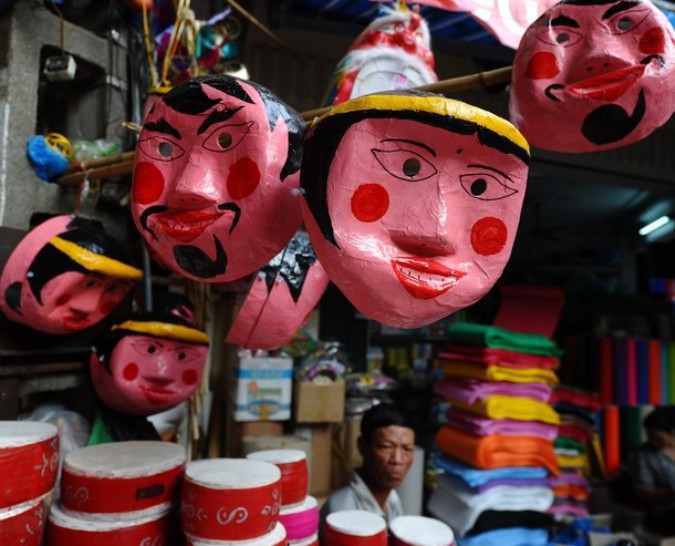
column 122, row 164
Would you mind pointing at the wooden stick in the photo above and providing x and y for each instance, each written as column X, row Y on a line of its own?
column 122, row 164
column 96, row 163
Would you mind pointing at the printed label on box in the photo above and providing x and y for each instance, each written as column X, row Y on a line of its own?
column 262, row 389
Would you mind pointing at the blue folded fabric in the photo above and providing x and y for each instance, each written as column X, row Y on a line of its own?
column 475, row 477
column 512, row 536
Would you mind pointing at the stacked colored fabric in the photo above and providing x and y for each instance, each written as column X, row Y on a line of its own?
column 497, row 444
column 577, row 410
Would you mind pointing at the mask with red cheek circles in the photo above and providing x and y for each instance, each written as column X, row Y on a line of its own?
column 283, row 294
column 591, row 76
column 148, row 364
column 215, row 182
column 412, row 202
column 66, row 275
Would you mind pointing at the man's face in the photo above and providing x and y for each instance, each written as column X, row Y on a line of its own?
column 424, row 219
column 72, row 302
column 149, row 374
column 594, row 77
column 207, row 194
column 660, row 439
column 388, row 456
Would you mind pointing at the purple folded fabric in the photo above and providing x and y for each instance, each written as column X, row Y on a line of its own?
column 479, row 425
column 565, row 478
column 517, row 482
column 469, row 390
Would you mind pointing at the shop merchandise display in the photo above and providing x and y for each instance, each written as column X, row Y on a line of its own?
column 590, row 76
column 372, row 174
column 66, row 275
column 354, row 527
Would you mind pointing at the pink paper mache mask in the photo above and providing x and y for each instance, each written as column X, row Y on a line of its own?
column 590, row 75
column 149, row 363
column 67, row 274
column 412, row 202
column 285, row 291
column 215, row 180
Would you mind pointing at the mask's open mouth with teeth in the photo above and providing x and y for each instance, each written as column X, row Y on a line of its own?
column 425, row 279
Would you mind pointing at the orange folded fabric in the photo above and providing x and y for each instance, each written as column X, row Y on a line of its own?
column 570, row 491
column 497, row 451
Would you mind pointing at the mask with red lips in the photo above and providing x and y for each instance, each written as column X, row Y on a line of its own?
column 215, row 180
column 148, row 364
column 590, row 75
column 412, row 202
column 66, row 275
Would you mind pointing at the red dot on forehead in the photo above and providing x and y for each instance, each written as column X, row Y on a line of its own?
column 543, row 65
column 370, row 202
column 130, row 371
column 489, row 236
column 653, row 42
column 243, row 178
column 148, row 184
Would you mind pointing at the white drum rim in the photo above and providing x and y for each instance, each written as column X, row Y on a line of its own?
column 23, row 433
column 306, row 504
column 414, row 530
column 132, row 515
column 86, row 524
column 18, row 509
column 278, row 456
column 351, row 522
column 122, row 459
column 232, row 473
column 304, row 541
column 272, row 538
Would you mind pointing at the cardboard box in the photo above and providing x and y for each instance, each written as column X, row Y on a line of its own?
column 261, row 389
column 316, row 403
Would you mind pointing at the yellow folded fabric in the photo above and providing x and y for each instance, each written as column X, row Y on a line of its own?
column 511, row 407
column 461, row 368
column 573, row 461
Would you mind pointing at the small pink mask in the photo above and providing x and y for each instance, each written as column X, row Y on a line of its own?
column 591, row 75
column 64, row 276
column 148, row 364
column 283, row 294
column 412, row 203
column 215, row 180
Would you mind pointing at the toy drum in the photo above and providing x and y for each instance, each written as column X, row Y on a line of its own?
column 354, row 528
column 23, row 524
column 121, row 477
column 63, row 529
column 310, row 541
column 420, row 531
column 230, row 499
column 275, row 538
column 301, row 521
column 294, row 476
column 29, row 461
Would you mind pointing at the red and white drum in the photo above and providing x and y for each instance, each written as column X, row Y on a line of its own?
column 230, row 499
column 294, row 475
column 63, row 529
column 310, row 541
column 121, row 477
column 301, row 520
column 354, row 528
column 420, row 531
column 29, row 461
column 277, row 537
column 23, row 524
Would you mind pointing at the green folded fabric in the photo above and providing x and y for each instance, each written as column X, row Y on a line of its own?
column 482, row 335
column 569, row 443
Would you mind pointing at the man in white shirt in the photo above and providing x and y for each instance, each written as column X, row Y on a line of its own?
column 387, row 444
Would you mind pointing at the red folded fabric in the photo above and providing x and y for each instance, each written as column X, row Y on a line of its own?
column 497, row 451
column 500, row 357
column 584, row 400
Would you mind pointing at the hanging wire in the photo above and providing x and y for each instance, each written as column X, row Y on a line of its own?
column 63, row 27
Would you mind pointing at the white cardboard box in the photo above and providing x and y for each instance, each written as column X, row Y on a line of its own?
column 261, row 389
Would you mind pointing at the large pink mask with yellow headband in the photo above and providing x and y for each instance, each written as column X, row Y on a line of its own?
column 64, row 276
column 412, row 203
column 215, row 179
column 591, row 75
column 149, row 363
column 284, row 292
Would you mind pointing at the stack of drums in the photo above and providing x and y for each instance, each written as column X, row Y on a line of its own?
column 232, row 502
column 299, row 511
column 29, row 463
column 420, row 531
column 354, row 528
column 118, row 493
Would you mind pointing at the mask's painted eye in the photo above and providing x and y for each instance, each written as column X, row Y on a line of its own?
column 147, row 346
column 405, row 164
column 627, row 21
column 227, row 137
column 88, row 283
column 560, row 37
column 160, row 148
column 485, row 186
column 188, row 354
